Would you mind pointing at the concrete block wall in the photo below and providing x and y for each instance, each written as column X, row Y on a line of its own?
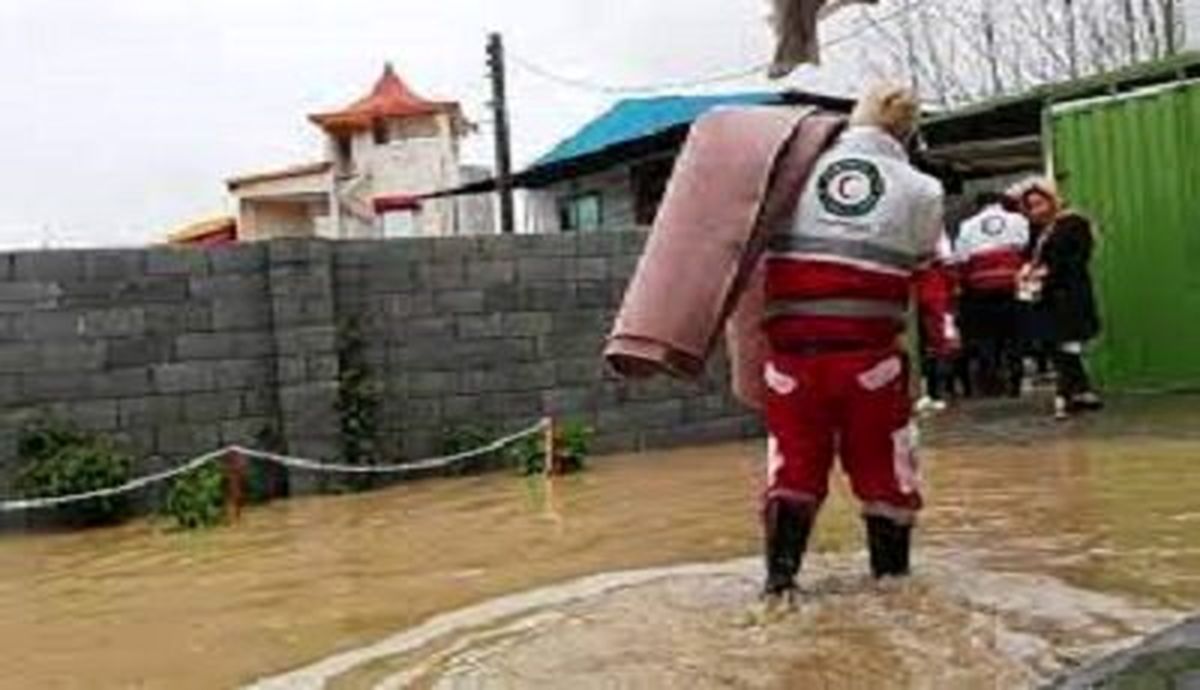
column 170, row 351
column 497, row 331
column 177, row 351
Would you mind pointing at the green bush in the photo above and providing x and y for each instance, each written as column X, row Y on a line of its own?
column 574, row 440
column 197, row 499
column 467, row 438
column 358, row 406
column 527, row 456
column 464, row 438
column 58, row 460
column 575, row 444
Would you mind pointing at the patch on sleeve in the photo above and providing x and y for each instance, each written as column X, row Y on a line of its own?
column 882, row 374
column 779, row 382
column 774, row 460
column 906, row 459
column 950, row 328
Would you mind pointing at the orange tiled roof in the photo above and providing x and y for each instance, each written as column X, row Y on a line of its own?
column 212, row 229
column 391, row 97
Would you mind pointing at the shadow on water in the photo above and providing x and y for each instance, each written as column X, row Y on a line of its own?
column 1042, row 546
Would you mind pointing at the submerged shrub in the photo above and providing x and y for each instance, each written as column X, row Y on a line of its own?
column 573, row 440
column 197, row 499
column 56, row 459
column 465, row 439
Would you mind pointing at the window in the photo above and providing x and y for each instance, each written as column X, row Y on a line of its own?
column 380, row 132
column 649, row 181
column 416, row 128
column 345, row 153
column 581, row 212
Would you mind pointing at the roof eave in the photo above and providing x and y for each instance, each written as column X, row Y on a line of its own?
column 352, row 121
column 1020, row 114
column 234, row 183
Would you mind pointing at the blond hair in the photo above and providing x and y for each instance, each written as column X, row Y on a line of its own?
column 889, row 106
column 1041, row 186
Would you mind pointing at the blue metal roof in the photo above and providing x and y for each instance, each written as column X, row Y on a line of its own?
column 634, row 119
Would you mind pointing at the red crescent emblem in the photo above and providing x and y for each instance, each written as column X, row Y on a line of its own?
column 842, row 183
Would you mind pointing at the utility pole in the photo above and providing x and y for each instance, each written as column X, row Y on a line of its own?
column 504, row 185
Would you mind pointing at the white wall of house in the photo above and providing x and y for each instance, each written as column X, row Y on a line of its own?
column 543, row 206
column 616, row 186
column 311, row 183
column 415, row 156
column 475, row 213
column 265, row 218
column 420, row 156
column 294, row 206
column 354, row 228
column 540, row 211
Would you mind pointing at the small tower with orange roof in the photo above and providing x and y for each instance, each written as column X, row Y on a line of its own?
column 384, row 153
column 388, row 149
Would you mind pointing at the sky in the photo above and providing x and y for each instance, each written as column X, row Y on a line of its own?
column 121, row 119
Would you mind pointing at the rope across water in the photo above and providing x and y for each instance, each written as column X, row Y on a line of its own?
column 295, row 463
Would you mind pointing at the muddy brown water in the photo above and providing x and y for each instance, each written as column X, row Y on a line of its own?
column 1042, row 546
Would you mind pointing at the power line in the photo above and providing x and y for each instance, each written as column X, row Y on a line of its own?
column 588, row 85
column 897, row 13
column 722, row 77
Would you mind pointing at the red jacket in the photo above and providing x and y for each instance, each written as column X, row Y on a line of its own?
column 863, row 242
column 936, row 288
column 990, row 250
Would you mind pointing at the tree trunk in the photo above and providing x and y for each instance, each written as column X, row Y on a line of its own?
column 1072, row 38
column 1131, row 29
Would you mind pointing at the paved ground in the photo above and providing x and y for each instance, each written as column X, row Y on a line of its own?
column 1168, row 661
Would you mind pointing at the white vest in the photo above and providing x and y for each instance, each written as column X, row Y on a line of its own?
column 865, row 204
column 991, row 229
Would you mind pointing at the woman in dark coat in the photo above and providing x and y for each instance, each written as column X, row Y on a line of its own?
column 1059, row 276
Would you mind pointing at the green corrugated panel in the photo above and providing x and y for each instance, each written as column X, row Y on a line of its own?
column 1132, row 163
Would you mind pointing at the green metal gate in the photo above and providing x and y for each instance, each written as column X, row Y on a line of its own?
column 1132, row 164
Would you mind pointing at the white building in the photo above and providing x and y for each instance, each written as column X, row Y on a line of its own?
column 384, row 154
column 613, row 172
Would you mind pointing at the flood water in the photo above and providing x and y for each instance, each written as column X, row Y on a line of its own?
column 1042, row 546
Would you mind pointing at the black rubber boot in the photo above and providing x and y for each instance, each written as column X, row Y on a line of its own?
column 788, row 525
column 889, row 543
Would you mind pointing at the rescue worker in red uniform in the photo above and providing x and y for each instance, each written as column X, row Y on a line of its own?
column 940, row 372
column 990, row 254
column 839, row 284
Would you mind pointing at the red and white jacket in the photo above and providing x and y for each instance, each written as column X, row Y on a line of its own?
column 864, row 237
column 990, row 250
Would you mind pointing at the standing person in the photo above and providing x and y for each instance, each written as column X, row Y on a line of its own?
column 990, row 254
column 1059, row 278
column 937, row 369
column 838, row 286
column 1034, row 320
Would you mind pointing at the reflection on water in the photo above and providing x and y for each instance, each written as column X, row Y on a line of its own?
column 1039, row 544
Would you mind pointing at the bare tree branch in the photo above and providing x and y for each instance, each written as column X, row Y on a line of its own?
column 958, row 51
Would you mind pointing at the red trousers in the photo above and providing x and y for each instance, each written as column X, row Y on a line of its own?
column 855, row 405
